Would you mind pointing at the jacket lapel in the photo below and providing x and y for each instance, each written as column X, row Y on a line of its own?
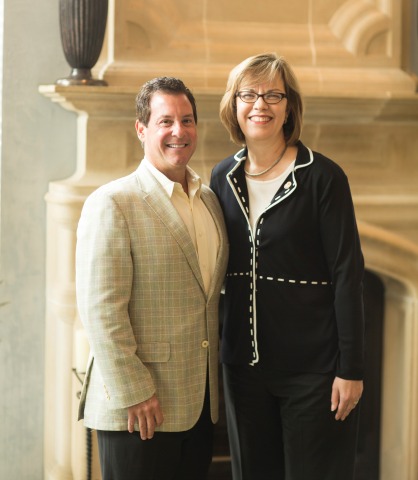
column 214, row 209
column 156, row 198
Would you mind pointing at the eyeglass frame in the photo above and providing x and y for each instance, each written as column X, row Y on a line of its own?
column 262, row 95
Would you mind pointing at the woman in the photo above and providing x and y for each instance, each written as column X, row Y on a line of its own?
column 292, row 341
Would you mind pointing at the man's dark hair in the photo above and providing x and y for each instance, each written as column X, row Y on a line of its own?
column 169, row 85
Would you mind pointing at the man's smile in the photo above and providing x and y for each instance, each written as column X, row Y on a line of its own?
column 177, row 145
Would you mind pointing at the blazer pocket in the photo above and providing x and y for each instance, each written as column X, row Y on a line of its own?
column 154, row 352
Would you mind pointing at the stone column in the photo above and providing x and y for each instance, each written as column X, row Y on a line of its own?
column 107, row 148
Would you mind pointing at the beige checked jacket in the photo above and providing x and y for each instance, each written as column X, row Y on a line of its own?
column 140, row 295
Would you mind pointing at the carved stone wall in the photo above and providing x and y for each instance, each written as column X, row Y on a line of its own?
column 361, row 110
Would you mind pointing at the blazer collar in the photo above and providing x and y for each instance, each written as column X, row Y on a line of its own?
column 193, row 178
column 236, row 178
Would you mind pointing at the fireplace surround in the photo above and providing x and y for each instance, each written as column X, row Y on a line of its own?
column 361, row 110
column 108, row 148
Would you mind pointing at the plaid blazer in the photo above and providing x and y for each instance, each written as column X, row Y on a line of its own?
column 140, row 295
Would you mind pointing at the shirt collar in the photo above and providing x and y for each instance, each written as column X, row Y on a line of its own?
column 193, row 180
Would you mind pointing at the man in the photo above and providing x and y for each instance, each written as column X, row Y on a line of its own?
column 151, row 258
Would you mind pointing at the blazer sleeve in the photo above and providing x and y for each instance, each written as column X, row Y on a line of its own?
column 104, row 273
column 342, row 250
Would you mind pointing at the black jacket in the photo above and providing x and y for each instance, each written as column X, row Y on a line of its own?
column 293, row 292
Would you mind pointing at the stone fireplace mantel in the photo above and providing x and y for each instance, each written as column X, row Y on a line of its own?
column 361, row 110
column 344, row 127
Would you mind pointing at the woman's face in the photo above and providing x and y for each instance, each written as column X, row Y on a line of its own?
column 261, row 121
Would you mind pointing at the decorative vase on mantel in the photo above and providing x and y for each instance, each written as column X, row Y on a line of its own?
column 83, row 26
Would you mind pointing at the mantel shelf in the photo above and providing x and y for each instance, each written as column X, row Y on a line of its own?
column 325, row 107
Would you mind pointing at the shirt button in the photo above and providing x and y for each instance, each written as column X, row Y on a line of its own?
column 205, row 344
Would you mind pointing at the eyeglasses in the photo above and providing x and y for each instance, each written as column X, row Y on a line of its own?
column 269, row 97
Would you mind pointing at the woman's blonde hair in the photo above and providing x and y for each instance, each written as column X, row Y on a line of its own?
column 262, row 68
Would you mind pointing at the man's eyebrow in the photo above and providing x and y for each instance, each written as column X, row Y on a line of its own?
column 172, row 116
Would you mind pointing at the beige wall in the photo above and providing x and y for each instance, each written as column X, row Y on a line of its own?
column 37, row 145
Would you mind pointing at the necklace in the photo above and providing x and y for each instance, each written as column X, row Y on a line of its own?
column 269, row 168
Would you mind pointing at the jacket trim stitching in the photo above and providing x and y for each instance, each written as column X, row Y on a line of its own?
column 299, row 282
column 282, row 280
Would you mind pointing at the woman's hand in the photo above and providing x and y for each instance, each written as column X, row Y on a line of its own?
column 345, row 396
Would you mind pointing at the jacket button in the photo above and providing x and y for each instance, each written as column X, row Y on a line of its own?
column 205, row 344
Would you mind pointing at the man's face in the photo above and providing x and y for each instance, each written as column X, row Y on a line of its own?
column 170, row 138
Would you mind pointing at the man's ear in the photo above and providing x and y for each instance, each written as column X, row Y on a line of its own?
column 140, row 127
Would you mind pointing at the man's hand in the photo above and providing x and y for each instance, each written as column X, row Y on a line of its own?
column 148, row 414
column 345, row 396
